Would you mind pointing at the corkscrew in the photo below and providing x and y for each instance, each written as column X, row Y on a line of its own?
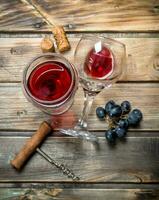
column 32, row 145
column 65, row 170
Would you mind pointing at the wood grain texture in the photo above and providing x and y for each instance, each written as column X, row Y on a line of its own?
column 135, row 160
column 77, row 194
column 142, row 56
column 17, row 15
column 18, row 114
column 82, row 15
column 79, row 185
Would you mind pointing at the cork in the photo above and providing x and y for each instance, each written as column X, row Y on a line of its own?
column 47, row 45
column 61, row 38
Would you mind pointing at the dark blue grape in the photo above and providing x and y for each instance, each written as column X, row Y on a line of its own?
column 135, row 117
column 115, row 111
column 120, row 132
column 123, row 123
column 137, row 113
column 126, row 107
column 100, row 112
column 133, row 121
column 110, row 135
column 109, row 105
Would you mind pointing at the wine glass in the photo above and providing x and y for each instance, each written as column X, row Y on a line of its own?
column 50, row 83
column 100, row 62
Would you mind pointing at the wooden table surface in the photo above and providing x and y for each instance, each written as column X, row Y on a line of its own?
column 130, row 170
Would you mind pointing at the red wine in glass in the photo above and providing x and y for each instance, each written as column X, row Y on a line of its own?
column 50, row 81
column 99, row 63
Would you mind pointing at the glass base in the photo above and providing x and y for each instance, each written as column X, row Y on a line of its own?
column 83, row 134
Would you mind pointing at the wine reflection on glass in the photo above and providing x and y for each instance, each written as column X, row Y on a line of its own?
column 100, row 62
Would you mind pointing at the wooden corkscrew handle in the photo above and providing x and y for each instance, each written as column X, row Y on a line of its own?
column 31, row 145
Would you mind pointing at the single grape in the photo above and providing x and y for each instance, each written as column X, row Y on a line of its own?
column 115, row 111
column 120, row 132
column 137, row 113
column 110, row 135
column 109, row 105
column 126, row 107
column 100, row 112
column 133, row 121
column 123, row 123
column 135, row 117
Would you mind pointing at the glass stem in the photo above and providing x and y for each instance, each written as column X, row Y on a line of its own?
column 88, row 100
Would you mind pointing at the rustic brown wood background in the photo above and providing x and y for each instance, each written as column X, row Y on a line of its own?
column 130, row 170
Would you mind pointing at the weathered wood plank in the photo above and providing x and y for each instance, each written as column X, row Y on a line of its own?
column 79, row 185
column 82, row 15
column 76, row 194
column 18, row 114
column 136, row 160
column 142, row 56
column 17, row 15
column 100, row 133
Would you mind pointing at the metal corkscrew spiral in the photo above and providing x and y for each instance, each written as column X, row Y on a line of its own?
column 65, row 170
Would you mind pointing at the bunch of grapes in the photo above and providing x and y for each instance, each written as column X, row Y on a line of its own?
column 120, row 118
